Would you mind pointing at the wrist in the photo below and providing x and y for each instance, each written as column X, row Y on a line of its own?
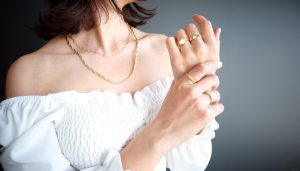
column 160, row 136
column 144, row 151
column 156, row 138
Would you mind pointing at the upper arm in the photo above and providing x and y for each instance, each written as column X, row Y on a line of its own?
column 19, row 78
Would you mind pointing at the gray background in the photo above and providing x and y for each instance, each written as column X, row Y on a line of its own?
column 259, row 81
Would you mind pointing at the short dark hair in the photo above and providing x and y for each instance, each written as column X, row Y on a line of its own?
column 63, row 17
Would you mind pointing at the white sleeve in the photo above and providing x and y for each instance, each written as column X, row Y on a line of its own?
column 193, row 155
column 27, row 134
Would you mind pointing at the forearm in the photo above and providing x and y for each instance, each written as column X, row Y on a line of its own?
column 144, row 151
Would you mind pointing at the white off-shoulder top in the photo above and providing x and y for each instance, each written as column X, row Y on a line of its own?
column 71, row 130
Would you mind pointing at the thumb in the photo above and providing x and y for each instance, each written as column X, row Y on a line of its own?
column 174, row 54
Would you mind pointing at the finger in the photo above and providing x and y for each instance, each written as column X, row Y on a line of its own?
column 214, row 96
column 191, row 30
column 206, row 83
column 202, row 69
column 205, row 99
column 180, row 34
column 217, row 32
column 215, row 110
column 173, row 49
column 205, row 25
column 175, row 56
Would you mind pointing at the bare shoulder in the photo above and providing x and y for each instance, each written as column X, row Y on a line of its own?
column 156, row 45
column 20, row 74
column 26, row 74
column 157, row 41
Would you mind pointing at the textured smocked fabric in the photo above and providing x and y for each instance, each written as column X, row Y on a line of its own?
column 71, row 130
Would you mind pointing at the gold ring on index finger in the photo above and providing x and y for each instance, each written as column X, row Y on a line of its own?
column 195, row 37
column 190, row 78
column 182, row 41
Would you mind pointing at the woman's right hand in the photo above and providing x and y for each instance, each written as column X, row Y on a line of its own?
column 186, row 108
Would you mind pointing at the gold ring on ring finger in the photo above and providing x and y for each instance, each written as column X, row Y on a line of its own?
column 195, row 37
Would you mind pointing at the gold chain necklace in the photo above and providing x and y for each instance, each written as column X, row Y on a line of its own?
column 98, row 51
column 100, row 75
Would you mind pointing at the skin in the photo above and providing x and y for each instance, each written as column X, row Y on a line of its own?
column 55, row 68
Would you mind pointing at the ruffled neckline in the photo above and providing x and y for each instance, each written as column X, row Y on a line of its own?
column 160, row 84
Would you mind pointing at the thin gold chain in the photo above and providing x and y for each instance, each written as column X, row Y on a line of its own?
column 97, row 73
column 98, row 51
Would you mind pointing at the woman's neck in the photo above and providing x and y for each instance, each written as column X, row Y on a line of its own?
column 108, row 36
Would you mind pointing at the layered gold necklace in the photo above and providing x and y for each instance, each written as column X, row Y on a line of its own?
column 99, row 51
column 70, row 42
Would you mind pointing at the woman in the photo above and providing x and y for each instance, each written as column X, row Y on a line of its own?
column 103, row 95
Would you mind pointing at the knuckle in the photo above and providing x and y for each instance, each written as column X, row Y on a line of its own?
column 200, row 106
column 218, row 94
column 219, row 110
column 199, row 68
column 203, row 68
column 215, row 78
column 205, row 114
column 193, row 93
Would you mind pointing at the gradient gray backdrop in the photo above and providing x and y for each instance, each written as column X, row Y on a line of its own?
column 260, row 82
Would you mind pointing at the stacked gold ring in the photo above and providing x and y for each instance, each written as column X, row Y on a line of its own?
column 195, row 37
column 183, row 41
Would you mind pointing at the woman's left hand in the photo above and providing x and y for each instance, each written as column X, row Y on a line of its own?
column 190, row 47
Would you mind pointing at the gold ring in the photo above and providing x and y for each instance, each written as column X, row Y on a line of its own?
column 211, row 95
column 190, row 78
column 182, row 41
column 195, row 37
